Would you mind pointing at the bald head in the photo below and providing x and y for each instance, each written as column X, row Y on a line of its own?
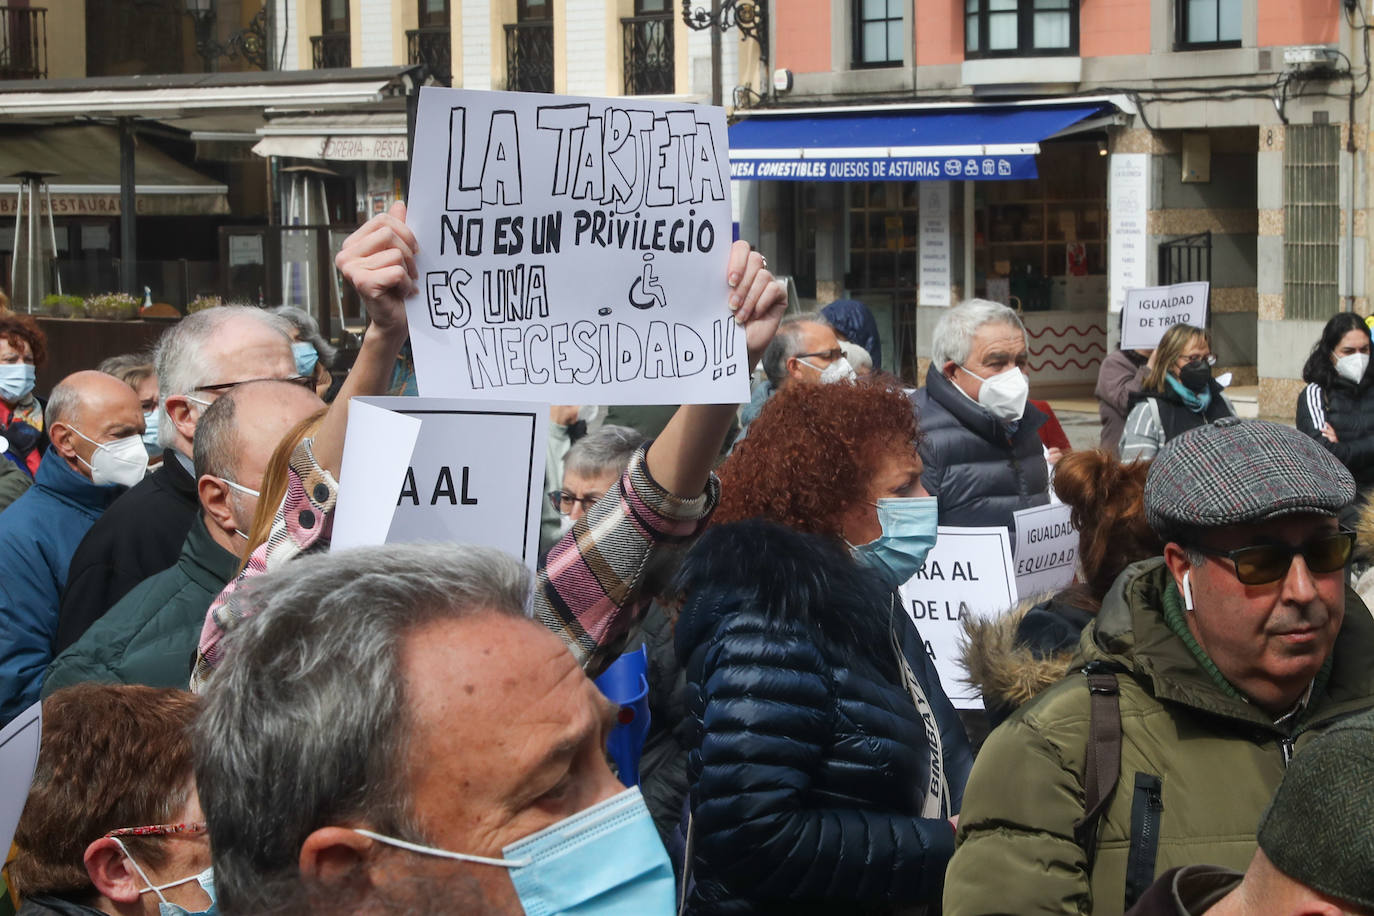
column 88, row 409
column 238, row 433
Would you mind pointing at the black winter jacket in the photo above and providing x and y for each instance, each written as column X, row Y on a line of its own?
column 808, row 756
column 980, row 473
column 1350, row 411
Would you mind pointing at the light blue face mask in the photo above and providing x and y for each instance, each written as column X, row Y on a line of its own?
column 16, row 380
column 306, row 356
column 150, row 433
column 909, row 529
column 205, row 879
column 606, row 860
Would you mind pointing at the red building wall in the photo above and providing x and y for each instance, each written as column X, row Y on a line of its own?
column 1298, row 22
column 803, row 36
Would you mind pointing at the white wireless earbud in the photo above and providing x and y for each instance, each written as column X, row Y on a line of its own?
column 1187, row 593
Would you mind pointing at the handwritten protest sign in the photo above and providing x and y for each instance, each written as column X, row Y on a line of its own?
column 1046, row 549
column 18, row 757
column 1152, row 310
column 572, row 250
column 969, row 571
column 474, row 476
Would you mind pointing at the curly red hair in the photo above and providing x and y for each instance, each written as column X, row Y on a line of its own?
column 15, row 327
column 811, row 454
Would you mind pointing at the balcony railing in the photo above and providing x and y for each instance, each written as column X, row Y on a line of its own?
column 432, row 47
column 331, row 50
column 529, row 57
column 649, row 67
column 23, row 43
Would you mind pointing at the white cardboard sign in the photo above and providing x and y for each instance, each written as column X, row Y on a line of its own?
column 475, row 475
column 377, row 449
column 969, row 571
column 18, row 757
column 572, row 250
column 1152, row 310
column 1046, row 549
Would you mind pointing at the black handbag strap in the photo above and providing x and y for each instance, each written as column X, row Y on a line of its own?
column 1103, row 769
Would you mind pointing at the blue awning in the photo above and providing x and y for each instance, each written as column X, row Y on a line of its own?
column 982, row 143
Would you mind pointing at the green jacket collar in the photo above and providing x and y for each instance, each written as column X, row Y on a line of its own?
column 1131, row 631
column 203, row 561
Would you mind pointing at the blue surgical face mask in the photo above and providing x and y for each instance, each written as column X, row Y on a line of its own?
column 150, row 432
column 205, row 879
column 909, row 528
column 606, row 860
column 16, row 380
column 306, row 356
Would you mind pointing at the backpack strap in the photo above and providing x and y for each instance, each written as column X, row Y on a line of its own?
column 1103, row 754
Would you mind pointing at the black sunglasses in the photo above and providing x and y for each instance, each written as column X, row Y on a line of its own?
column 1265, row 563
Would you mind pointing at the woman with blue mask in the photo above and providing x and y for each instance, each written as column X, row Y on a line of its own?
column 313, row 354
column 826, row 761
column 23, row 351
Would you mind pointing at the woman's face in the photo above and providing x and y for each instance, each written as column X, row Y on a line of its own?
column 15, row 351
column 1197, row 349
column 896, row 474
column 1351, row 342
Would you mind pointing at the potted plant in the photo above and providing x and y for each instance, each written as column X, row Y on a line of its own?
column 112, row 306
column 200, row 303
column 60, row 306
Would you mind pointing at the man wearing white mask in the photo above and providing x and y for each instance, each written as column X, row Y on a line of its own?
column 96, row 427
column 389, row 732
column 149, row 637
column 981, row 447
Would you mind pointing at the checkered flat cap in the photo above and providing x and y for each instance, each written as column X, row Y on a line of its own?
column 1233, row 472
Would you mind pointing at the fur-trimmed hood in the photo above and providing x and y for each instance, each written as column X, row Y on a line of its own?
column 1364, row 528
column 1009, row 667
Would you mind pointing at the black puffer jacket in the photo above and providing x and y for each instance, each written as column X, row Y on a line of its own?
column 980, row 472
column 1350, row 411
column 809, row 758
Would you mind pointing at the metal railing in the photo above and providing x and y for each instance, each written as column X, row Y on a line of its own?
column 332, row 50
column 432, row 47
column 1186, row 259
column 529, row 57
column 649, row 66
column 23, row 43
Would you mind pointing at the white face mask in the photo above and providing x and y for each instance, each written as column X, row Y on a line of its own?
column 838, row 371
column 242, row 489
column 1352, row 367
column 1004, row 394
column 123, row 462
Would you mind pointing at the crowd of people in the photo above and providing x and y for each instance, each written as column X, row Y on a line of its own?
column 238, row 720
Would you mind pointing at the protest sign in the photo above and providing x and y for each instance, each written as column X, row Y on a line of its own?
column 474, row 476
column 572, row 250
column 18, row 757
column 1152, row 310
column 1046, row 549
column 377, row 448
column 969, row 571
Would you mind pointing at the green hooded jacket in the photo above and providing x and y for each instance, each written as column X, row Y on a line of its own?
column 1217, row 760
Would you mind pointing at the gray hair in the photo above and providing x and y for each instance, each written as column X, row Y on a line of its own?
column 787, row 343
column 306, row 721
column 309, row 331
column 180, row 354
column 610, row 448
column 129, row 368
column 215, row 450
column 62, row 403
column 858, row 357
column 954, row 333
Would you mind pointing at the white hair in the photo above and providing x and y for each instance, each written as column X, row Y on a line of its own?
column 953, row 337
column 180, row 359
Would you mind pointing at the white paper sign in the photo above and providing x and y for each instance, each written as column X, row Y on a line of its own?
column 969, row 571
column 475, row 475
column 1046, row 549
column 245, row 249
column 572, row 250
column 18, row 757
column 377, row 449
column 1153, row 310
column 935, row 268
column 1128, row 192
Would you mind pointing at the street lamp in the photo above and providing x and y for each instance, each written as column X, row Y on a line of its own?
column 749, row 16
column 249, row 43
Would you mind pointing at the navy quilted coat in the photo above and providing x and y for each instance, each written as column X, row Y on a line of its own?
column 808, row 754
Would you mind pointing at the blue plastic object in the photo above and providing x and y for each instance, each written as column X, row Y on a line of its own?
column 626, row 683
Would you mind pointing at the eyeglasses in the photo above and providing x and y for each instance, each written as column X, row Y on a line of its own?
column 1209, row 359
column 189, row 829
column 1264, row 563
column 563, row 501
column 303, row 380
column 831, row 355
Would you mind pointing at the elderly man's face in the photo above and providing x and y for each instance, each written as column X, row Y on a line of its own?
column 819, row 348
column 996, row 347
column 1268, row 640
column 509, row 737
